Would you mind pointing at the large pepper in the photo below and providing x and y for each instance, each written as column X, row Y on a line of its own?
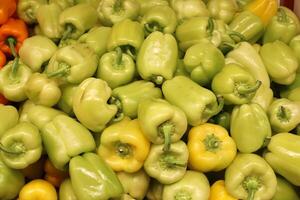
column 7, row 9
column 93, row 179
column 285, row 190
column 219, row 192
column 128, row 97
column 73, row 63
column 159, row 18
column 210, row 148
column 11, row 182
column 282, row 156
column 292, row 90
column 64, row 138
column 113, row 11
column 203, row 61
column 295, row 45
column 93, row 94
column 202, row 103
column 194, row 185
column 157, row 58
column 27, row 9
column 41, row 90
column 223, row 9
column 116, row 68
column 235, row 84
column 280, row 61
column 167, row 166
column 284, row 115
column 66, row 191
column 161, row 122
column 250, row 177
column 65, row 102
column 249, row 127
column 36, row 51
column 128, row 35
column 123, row 146
column 9, row 117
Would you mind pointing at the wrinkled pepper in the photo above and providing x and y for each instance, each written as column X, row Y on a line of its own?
column 27, row 9
column 250, row 177
column 210, row 148
column 285, row 190
column 202, row 103
column 123, row 146
column 9, row 117
column 292, row 90
column 65, row 102
column 93, row 179
column 7, row 9
column 219, row 192
column 223, row 9
column 38, row 189
column 66, row 191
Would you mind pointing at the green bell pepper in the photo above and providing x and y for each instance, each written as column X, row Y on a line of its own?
column 284, row 115
column 48, row 19
column 41, row 90
column 235, row 84
column 66, row 191
column 203, row 61
column 9, row 117
column 128, row 35
column 93, row 94
column 198, row 103
column 222, row 119
column 93, row 179
column 161, row 122
column 65, row 102
column 111, row 12
column 250, row 177
column 194, row 185
column 292, row 90
column 21, row 146
column 36, row 51
column 135, row 184
column 280, row 61
column 249, row 127
column 116, row 68
column 167, row 166
column 145, row 5
column 27, row 9
column 76, row 20
column 281, row 155
column 64, row 138
column 96, row 38
column 128, row 97
column 11, row 182
column 73, row 63
column 283, row 26
column 247, row 24
column 157, row 57
column 159, row 18
column 13, row 78
column 63, row 4
column 155, row 190
column 295, row 45
column 223, row 9
column 285, row 190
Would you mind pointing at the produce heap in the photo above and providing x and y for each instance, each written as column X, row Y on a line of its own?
column 149, row 99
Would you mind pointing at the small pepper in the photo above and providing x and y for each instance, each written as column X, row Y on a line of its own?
column 27, row 9
column 65, row 102
column 285, row 190
column 66, row 191
column 38, row 189
column 9, row 117
column 223, row 9
column 7, row 9
column 219, row 192
column 222, row 119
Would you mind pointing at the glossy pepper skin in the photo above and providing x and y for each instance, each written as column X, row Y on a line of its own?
column 280, row 156
column 295, row 45
column 250, row 177
column 93, row 179
column 194, row 185
column 280, row 61
column 285, row 190
column 235, row 84
column 161, row 122
column 27, row 9
column 73, row 63
column 66, row 191
column 284, row 115
column 249, row 127
column 223, row 9
column 210, row 148
column 93, row 93
column 203, row 61
column 292, row 90
column 7, row 9
column 64, row 138
column 9, row 117
column 111, row 12
column 202, row 103
column 123, row 146
column 11, row 181
column 116, row 68
column 36, row 51
column 65, row 102
column 41, row 90
column 167, row 166
column 157, row 57
column 219, row 192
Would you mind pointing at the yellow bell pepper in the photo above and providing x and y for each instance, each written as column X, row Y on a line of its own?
column 38, row 189
column 218, row 191
column 210, row 148
column 123, row 146
column 264, row 9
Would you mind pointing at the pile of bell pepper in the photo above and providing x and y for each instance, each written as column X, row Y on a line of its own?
column 149, row 99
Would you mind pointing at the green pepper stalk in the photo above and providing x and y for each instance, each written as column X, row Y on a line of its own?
column 250, row 177
column 27, row 9
column 9, row 117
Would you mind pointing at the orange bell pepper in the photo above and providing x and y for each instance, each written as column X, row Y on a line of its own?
column 53, row 175
column 7, row 9
column 3, row 100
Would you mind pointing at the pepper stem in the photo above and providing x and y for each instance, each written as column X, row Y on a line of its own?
column 210, row 26
column 15, row 66
column 67, row 32
column 171, row 161
column 212, row 143
column 158, row 80
column 234, row 34
column 166, row 129
column 119, row 56
column 282, row 16
column 283, row 113
column 243, row 90
column 120, row 115
column 220, row 106
column 152, row 27
column 18, row 150
column 123, row 149
column 64, row 68
column 251, row 184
